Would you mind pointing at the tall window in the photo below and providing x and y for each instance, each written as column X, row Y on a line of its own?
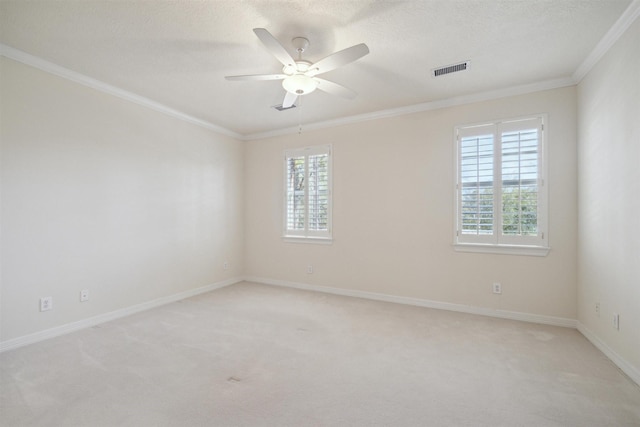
column 308, row 193
column 501, row 198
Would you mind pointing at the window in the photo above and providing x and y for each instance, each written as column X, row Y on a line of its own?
column 308, row 193
column 501, row 197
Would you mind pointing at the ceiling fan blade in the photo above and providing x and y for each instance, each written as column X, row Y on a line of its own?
column 335, row 88
column 274, row 46
column 258, row 77
column 338, row 59
column 289, row 99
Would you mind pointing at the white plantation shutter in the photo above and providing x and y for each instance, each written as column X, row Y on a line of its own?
column 521, row 181
column 296, row 206
column 308, row 192
column 476, row 189
column 318, row 192
column 500, row 190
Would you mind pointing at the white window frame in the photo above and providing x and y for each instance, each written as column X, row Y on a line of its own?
column 497, row 242
column 306, row 235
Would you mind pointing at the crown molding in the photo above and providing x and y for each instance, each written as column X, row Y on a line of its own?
column 621, row 25
column 49, row 67
column 418, row 108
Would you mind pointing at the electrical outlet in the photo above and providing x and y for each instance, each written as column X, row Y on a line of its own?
column 497, row 288
column 46, row 303
column 310, row 269
column 616, row 321
column 597, row 309
column 84, row 295
column 225, row 265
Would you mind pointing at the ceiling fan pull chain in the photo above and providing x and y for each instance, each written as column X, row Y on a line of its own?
column 299, row 115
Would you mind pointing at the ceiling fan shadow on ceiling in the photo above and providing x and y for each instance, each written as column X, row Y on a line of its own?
column 299, row 75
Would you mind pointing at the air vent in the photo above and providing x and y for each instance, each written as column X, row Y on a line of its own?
column 281, row 108
column 436, row 72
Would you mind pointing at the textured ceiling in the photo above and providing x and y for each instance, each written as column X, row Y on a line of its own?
column 177, row 53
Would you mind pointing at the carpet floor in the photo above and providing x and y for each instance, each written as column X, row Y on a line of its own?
column 256, row 355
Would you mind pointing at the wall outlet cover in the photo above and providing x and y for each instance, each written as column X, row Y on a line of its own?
column 497, row 288
column 46, row 303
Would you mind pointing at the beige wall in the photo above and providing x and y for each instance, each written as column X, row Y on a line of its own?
column 609, row 202
column 102, row 194
column 393, row 212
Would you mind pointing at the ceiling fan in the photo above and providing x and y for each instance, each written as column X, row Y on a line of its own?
column 299, row 75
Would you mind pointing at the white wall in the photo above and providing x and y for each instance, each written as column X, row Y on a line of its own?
column 609, row 202
column 393, row 212
column 103, row 194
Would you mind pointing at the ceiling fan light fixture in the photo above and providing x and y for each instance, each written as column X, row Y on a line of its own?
column 299, row 75
column 299, row 84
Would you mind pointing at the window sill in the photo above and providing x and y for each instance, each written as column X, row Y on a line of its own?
column 304, row 239
column 502, row 249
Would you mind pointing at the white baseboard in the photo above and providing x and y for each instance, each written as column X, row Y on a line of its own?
column 102, row 318
column 503, row 314
column 630, row 370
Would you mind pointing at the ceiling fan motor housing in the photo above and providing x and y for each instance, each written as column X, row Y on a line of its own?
column 300, row 67
column 297, row 82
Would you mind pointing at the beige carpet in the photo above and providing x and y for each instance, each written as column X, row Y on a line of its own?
column 254, row 355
